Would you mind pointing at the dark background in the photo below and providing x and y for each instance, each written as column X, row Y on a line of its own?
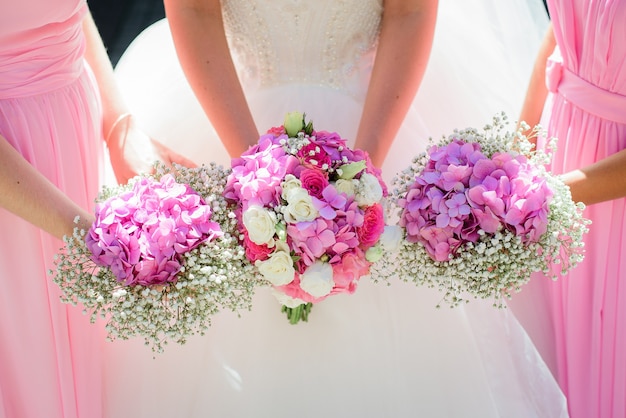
column 120, row 21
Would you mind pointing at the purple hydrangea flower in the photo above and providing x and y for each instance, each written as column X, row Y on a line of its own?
column 461, row 191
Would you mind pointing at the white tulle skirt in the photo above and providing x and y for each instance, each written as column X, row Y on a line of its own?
column 385, row 351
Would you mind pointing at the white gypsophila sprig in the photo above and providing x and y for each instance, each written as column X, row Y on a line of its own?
column 292, row 145
column 214, row 276
column 499, row 264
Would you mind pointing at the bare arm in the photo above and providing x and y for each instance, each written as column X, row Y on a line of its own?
column 132, row 152
column 113, row 104
column 537, row 90
column 198, row 33
column 406, row 38
column 599, row 182
column 28, row 194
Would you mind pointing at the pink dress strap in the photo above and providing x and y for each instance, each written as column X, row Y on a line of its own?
column 583, row 94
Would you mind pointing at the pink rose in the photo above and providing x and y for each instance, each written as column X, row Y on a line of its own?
column 373, row 225
column 255, row 251
column 314, row 181
column 315, row 156
column 276, row 131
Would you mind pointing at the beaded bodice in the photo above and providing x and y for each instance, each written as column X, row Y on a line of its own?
column 326, row 42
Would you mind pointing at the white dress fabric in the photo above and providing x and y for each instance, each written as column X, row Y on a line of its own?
column 385, row 351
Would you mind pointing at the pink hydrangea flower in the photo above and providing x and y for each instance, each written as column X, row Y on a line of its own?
column 141, row 234
column 461, row 191
column 256, row 176
column 311, row 239
column 330, row 201
column 349, row 270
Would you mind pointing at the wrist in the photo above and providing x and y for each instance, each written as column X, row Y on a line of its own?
column 575, row 180
column 120, row 124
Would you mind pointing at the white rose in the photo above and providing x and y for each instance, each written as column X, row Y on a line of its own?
column 369, row 190
column 299, row 206
column 278, row 269
column 287, row 301
column 291, row 182
column 317, row 280
column 260, row 224
column 391, row 238
column 346, row 186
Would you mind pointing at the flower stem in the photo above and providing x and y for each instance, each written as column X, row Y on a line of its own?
column 299, row 313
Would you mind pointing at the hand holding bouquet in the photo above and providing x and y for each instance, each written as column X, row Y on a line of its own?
column 161, row 257
column 311, row 213
column 480, row 216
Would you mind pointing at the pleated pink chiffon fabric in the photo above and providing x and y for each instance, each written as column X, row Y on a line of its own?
column 50, row 363
column 586, row 111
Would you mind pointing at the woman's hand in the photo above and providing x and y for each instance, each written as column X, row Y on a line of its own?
column 132, row 152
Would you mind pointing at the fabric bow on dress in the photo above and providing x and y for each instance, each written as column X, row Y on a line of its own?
column 583, row 94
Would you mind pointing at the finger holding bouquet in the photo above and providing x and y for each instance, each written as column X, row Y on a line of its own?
column 480, row 213
column 132, row 152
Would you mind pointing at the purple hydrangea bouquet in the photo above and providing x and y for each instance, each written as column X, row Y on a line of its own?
column 480, row 213
column 311, row 213
column 161, row 258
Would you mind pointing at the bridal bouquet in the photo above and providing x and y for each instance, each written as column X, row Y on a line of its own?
column 162, row 256
column 310, row 211
column 481, row 213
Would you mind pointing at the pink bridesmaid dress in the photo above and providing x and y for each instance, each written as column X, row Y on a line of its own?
column 586, row 111
column 50, row 363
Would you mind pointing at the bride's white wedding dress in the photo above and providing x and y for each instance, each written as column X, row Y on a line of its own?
column 384, row 351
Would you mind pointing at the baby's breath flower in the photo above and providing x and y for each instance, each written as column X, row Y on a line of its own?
column 497, row 263
column 214, row 276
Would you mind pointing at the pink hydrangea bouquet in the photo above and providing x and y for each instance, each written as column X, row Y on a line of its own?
column 480, row 214
column 311, row 213
column 162, row 256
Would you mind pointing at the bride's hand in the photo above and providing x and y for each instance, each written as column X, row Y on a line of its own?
column 132, row 152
